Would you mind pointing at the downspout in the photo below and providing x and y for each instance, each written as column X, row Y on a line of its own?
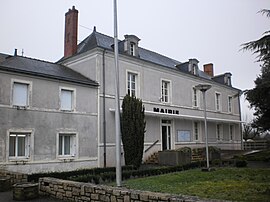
column 240, row 114
column 104, row 108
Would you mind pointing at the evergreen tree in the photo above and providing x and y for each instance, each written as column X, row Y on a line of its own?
column 259, row 96
column 133, row 129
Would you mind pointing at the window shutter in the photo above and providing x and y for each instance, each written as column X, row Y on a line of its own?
column 66, row 100
column 20, row 94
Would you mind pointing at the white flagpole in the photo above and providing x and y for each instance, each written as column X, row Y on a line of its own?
column 117, row 104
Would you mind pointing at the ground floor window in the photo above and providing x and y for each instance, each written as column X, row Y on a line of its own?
column 19, row 145
column 196, row 130
column 219, row 132
column 231, row 132
column 67, row 144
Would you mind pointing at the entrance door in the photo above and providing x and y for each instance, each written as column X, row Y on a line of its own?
column 166, row 134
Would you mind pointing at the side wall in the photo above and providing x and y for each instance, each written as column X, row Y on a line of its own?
column 44, row 121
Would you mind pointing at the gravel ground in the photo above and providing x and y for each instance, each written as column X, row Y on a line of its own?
column 8, row 197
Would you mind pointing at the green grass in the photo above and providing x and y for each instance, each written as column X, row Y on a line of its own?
column 236, row 184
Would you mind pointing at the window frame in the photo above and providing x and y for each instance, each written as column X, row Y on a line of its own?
column 198, row 131
column 136, row 74
column 74, row 143
column 169, row 91
column 231, row 132
column 132, row 48
column 230, row 104
column 195, row 100
column 28, row 96
column 219, row 136
column 218, row 101
column 29, row 144
column 73, row 99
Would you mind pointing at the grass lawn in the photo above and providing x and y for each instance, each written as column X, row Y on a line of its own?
column 236, row 184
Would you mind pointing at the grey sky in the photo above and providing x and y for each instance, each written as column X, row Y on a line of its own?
column 209, row 30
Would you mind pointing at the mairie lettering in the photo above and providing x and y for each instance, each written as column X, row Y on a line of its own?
column 165, row 111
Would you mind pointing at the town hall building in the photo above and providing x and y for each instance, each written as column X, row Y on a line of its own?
column 67, row 119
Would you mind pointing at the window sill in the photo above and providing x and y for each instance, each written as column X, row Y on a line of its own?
column 66, row 110
column 66, row 158
column 20, row 107
column 22, row 160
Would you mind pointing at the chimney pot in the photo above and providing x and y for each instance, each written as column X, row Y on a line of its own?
column 71, row 32
column 209, row 69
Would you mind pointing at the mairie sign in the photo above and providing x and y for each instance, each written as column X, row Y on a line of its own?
column 165, row 111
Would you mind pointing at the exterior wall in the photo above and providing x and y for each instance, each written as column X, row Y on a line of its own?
column 149, row 77
column 44, row 120
column 77, row 191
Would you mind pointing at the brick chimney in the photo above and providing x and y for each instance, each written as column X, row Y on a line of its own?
column 71, row 30
column 209, row 69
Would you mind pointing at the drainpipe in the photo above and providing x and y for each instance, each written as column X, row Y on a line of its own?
column 240, row 114
column 104, row 108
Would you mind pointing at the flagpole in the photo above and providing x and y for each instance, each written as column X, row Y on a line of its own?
column 117, row 104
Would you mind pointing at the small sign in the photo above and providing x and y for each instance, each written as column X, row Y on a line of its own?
column 183, row 136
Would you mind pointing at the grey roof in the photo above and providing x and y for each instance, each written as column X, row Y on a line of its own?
column 3, row 57
column 96, row 39
column 44, row 69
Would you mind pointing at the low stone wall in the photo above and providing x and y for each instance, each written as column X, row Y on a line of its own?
column 76, row 191
column 14, row 177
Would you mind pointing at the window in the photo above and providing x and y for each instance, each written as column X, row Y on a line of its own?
column 132, row 49
column 66, row 144
column 219, row 132
column 67, row 99
column 228, row 81
column 165, row 91
column 195, row 98
column 19, row 144
column 218, row 106
column 131, row 84
column 196, row 131
column 194, row 69
column 231, row 132
column 230, row 104
column 20, row 94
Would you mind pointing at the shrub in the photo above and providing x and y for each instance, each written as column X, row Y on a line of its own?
column 240, row 163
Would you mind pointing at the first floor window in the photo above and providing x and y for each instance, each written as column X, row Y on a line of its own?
column 195, row 98
column 231, row 132
column 19, row 144
column 165, row 91
column 20, row 94
column 218, row 107
column 67, row 145
column 196, row 130
column 131, row 84
column 230, row 104
column 67, row 99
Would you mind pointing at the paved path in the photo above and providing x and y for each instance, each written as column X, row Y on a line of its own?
column 7, row 197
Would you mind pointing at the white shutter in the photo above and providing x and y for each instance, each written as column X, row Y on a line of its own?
column 20, row 94
column 66, row 99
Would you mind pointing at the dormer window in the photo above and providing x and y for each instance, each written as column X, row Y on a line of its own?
column 193, row 66
column 131, row 43
column 227, row 79
column 132, row 49
column 194, row 69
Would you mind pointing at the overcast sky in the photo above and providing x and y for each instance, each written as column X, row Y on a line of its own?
column 208, row 30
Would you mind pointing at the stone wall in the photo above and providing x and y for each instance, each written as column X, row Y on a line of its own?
column 77, row 191
column 14, row 176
